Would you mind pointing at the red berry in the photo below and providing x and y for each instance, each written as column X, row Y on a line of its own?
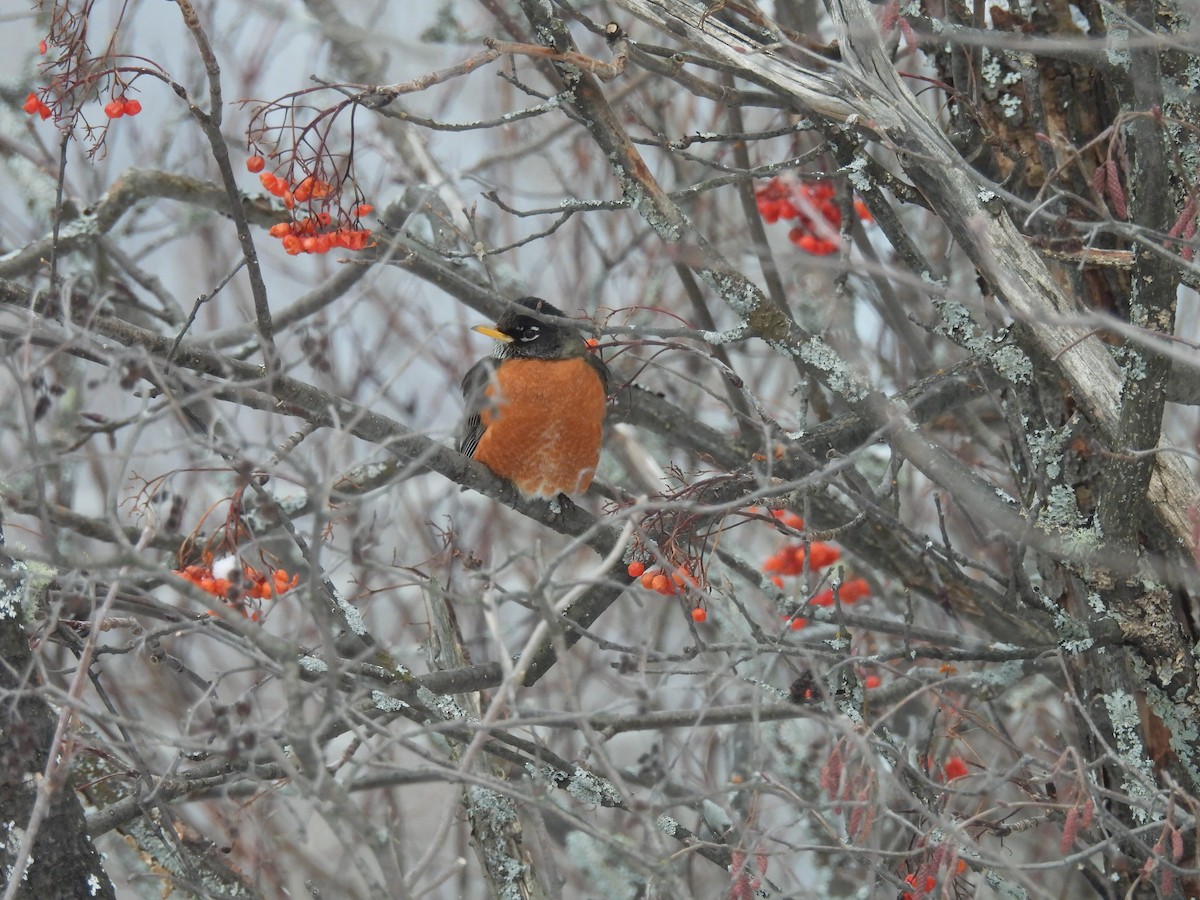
column 818, row 190
column 780, row 562
column 364, row 209
column 42, row 47
column 821, row 555
column 636, row 569
column 855, row 589
column 825, row 598
column 955, row 767
column 255, row 164
column 32, row 103
column 699, row 615
column 132, row 107
column 114, row 109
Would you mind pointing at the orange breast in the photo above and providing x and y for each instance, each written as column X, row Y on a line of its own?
column 542, row 425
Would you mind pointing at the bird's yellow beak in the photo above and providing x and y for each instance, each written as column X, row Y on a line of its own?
column 493, row 333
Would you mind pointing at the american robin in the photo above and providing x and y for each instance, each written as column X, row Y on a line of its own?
column 535, row 409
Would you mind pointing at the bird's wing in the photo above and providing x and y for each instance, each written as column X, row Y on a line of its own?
column 473, row 385
column 601, row 369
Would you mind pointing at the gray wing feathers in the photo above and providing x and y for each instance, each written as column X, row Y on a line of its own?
column 473, row 385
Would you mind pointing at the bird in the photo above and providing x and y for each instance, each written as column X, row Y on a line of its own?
column 535, row 408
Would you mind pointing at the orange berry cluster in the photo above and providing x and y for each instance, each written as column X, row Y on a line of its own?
column 785, row 199
column 658, row 581
column 955, row 767
column 309, row 188
column 310, row 234
column 304, row 235
column 122, row 106
column 851, row 592
column 791, row 560
column 35, row 106
column 253, row 584
column 33, row 103
column 114, row 109
column 786, row 517
column 923, row 886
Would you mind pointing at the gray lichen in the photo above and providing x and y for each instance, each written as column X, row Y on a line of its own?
column 20, row 588
column 385, row 703
column 1061, row 510
column 313, row 664
column 351, row 616
column 1126, row 726
column 592, row 789
column 446, row 707
column 667, row 825
column 1179, row 719
column 958, row 325
column 818, row 355
column 1073, row 636
column 1012, row 363
column 1046, row 448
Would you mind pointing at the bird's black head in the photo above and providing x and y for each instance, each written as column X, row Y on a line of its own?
column 528, row 330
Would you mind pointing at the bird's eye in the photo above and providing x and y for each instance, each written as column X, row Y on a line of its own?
column 530, row 333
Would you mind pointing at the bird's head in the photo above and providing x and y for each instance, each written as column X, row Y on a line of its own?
column 528, row 330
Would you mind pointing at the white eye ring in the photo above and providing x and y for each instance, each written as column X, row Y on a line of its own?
column 531, row 333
